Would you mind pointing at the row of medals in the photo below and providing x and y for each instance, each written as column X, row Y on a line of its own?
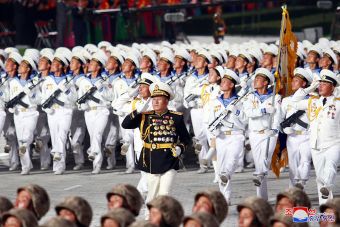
column 164, row 130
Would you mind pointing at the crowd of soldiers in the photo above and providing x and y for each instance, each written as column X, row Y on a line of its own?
column 124, row 203
column 148, row 97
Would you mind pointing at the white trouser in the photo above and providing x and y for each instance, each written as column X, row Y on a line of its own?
column 325, row 163
column 59, row 122
column 78, row 130
column 258, row 143
column 2, row 119
column 299, row 157
column 159, row 184
column 200, row 131
column 228, row 148
column 42, row 133
column 111, row 137
column 142, row 186
column 127, row 136
column 11, row 139
column 96, row 121
column 25, row 124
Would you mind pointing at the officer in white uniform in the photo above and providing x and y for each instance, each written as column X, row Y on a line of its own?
column 95, row 107
column 324, row 117
column 78, row 127
column 11, row 147
column 59, row 114
column 111, row 134
column 25, row 110
column 264, row 118
column 127, row 83
column 229, row 137
column 299, row 154
column 192, row 99
column 42, row 132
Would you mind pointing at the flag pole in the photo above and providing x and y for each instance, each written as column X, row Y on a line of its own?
column 276, row 74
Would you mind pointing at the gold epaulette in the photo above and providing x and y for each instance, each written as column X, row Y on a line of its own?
column 175, row 112
column 314, row 97
column 337, row 99
column 149, row 112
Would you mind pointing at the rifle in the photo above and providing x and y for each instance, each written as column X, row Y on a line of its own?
column 54, row 97
column 88, row 96
column 17, row 100
column 220, row 120
column 191, row 97
column 294, row 118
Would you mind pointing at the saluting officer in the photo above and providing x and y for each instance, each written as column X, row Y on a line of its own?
column 164, row 136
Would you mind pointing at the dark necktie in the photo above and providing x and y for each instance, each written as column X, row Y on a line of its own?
column 324, row 101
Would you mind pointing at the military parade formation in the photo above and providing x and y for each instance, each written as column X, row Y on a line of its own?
column 153, row 103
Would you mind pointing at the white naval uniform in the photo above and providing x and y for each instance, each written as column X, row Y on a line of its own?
column 111, row 133
column 229, row 139
column 96, row 115
column 8, row 124
column 324, row 139
column 25, row 119
column 299, row 152
column 59, row 117
column 78, row 128
column 42, row 136
column 193, row 86
column 123, row 86
column 259, row 129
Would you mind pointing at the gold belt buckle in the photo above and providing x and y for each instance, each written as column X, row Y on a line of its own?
column 23, row 109
column 227, row 133
column 261, row 132
column 94, row 108
column 299, row 132
column 153, row 146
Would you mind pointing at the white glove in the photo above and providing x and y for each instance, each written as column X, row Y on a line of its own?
column 27, row 90
column 243, row 84
column 192, row 104
column 144, row 107
column 270, row 132
column 64, row 87
column 99, row 84
column 11, row 110
column 288, row 130
column 133, row 92
column 177, row 152
column 49, row 111
column 270, row 109
column 312, row 87
column 83, row 107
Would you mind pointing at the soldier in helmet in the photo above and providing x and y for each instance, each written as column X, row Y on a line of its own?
column 293, row 197
column 213, row 202
column 125, row 196
column 58, row 222
column 34, row 198
column 117, row 217
column 331, row 207
column 19, row 218
column 201, row 219
column 75, row 209
column 165, row 211
column 254, row 211
column 5, row 205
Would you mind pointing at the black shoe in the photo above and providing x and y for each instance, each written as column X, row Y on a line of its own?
column 325, row 192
